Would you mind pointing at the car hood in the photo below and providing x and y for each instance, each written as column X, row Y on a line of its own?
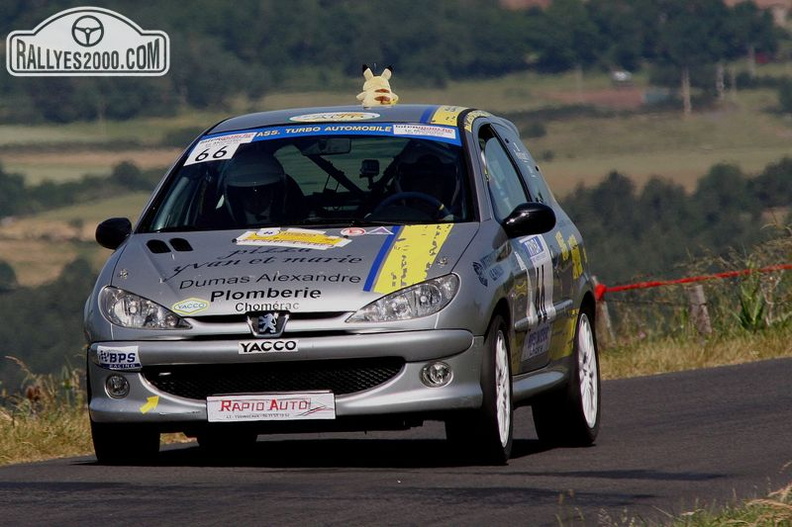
column 328, row 270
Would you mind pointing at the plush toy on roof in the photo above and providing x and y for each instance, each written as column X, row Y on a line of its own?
column 376, row 88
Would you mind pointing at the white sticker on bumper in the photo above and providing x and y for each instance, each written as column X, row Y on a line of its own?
column 271, row 407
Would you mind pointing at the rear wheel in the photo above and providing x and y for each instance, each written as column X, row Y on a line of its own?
column 571, row 417
column 487, row 433
column 116, row 444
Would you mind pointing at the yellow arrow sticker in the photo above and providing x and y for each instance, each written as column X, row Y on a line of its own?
column 151, row 403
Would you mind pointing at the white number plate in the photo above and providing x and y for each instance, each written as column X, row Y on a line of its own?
column 271, row 407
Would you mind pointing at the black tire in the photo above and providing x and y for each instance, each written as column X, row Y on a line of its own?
column 117, row 444
column 571, row 416
column 487, row 434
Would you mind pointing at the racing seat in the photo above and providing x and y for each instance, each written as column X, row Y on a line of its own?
column 259, row 192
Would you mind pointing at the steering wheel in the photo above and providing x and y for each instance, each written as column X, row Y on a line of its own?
column 440, row 209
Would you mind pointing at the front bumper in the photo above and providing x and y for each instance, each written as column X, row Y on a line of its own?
column 402, row 394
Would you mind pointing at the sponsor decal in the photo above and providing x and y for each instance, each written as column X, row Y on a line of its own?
column 426, row 130
column 443, row 134
column 269, row 293
column 331, row 278
column 217, row 148
column 213, row 282
column 271, row 407
column 537, row 342
column 406, row 257
column 562, row 244
column 247, row 307
column 334, row 116
column 300, row 238
column 353, row 231
column 190, row 306
column 577, row 262
column 360, row 231
column 446, row 115
column 230, row 261
column 87, row 41
column 479, row 270
column 118, row 357
column 268, row 346
column 472, row 116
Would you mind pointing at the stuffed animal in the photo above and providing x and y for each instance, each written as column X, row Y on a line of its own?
column 376, row 88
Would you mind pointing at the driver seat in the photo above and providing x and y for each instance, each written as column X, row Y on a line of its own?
column 428, row 175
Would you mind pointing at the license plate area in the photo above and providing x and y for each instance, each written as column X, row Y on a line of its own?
column 282, row 406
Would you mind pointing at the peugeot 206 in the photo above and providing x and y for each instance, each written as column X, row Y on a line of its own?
column 344, row 269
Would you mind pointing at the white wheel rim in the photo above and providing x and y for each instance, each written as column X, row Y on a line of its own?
column 587, row 371
column 502, row 388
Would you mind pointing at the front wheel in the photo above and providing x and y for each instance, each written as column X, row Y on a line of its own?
column 487, row 434
column 571, row 417
column 116, row 444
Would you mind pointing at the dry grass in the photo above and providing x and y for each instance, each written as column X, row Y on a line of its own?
column 637, row 358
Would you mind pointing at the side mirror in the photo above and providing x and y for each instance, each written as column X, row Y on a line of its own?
column 529, row 218
column 112, row 233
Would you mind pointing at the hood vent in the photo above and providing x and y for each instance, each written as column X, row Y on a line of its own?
column 181, row 245
column 158, row 246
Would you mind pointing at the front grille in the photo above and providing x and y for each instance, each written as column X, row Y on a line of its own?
column 339, row 376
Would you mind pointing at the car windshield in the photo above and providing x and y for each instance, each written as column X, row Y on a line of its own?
column 315, row 178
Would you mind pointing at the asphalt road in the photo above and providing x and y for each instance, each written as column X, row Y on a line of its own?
column 669, row 444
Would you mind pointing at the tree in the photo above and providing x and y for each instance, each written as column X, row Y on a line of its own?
column 8, row 279
column 691, row 36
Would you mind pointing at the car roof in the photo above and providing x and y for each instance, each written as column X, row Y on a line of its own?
column 399, row 113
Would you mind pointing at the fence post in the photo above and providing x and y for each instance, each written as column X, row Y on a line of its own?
column 698, row 309
column 603, row 322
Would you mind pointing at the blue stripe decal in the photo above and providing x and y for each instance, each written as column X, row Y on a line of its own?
column 428, row 113
column 376, row 266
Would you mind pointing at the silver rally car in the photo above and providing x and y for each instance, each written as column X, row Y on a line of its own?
column 344, row 268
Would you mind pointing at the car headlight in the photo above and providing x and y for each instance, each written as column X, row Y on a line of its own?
column 132, row 311
column 420, row 300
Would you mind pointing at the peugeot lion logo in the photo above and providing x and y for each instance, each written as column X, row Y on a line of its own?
column 267, row 324
column 87, row 31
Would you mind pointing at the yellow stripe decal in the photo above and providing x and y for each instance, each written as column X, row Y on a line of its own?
column 446, row 115
column 411, row 256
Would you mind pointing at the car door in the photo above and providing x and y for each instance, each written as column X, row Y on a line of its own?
column 536, row 303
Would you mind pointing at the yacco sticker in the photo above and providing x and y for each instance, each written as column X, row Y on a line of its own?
column 333, row 116
column 190, row 306
column 268, row 346
column 447, row 115
column 118, row 357
column 218, row 147
column 406, row 257
column 302, row 238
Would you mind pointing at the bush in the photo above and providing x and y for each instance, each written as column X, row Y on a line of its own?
column 785, row 96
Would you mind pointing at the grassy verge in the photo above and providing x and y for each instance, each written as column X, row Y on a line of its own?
column 669, row 354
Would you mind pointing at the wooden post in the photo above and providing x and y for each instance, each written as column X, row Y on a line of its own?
column 603, row 323
column 698, row 309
